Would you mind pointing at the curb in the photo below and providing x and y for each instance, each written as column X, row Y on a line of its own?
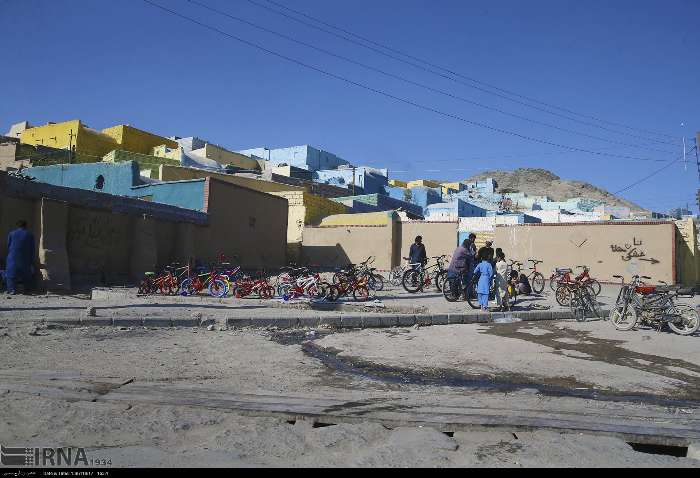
column 342, row 321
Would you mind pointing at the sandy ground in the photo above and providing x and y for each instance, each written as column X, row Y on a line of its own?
column 141, row 434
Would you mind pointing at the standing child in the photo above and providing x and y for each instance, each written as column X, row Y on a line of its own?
column 485, row 271
column 501, row 280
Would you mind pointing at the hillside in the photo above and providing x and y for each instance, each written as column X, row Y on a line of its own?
column 543, row 182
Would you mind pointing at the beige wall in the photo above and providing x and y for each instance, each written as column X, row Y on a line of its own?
column 223, row 156
column 570, row 245
column 336, row 246
column 247, row 223
column 439, row 237
column 687, row 256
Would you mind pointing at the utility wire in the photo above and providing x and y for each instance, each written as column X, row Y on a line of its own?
column 456, row 80
column 418, row 84
column 649, row 176
column 382, row 92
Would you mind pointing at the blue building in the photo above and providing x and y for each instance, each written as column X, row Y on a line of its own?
column 365, row 179
column 377, row 203
column 122, row 179
column 451, row 211
column 420, row 196
column 305, row 157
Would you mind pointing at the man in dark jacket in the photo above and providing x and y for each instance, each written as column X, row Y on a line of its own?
column 417, row 254
column 458, row 269
column 486, row 251
column 20, row 258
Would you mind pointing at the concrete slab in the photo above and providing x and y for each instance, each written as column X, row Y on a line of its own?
column 308, row 322
column 127, row 321
column 694, row 451
column 280, row 322
column 237, row 323
column 351, row 321
column 157, row 322
column 65, row 322
column 424, row 319
column 439, row 319
column 405, row 320
column 371, row 321
column 96, row 321
column 389, row 320
column 331, row 321
column 456, row 318
column 185, row 322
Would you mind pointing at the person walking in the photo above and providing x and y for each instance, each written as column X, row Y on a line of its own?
column 20, row 258
column 417, row 254
column 501, row 281
column 485, row 271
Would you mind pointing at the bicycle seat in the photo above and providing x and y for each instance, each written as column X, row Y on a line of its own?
column 149, row 274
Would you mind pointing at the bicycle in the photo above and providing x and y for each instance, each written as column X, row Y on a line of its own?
column 358, row 286
column 654, row 306
column 216, row 283
column 396, row 274
column 536, row 279
column 415, row 280
column 583, row 303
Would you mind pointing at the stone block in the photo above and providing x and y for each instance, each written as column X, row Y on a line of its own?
column 157, row 322
column 388, row 320
column 406, row 320
column 279, row 322
column 185, row 322
column 206, row 321
column 237, row 323
column 424, row 320
column 351, row 321
column 439, row 319
column 63, row 322
column 308, row 322
column 371, row 321
column 96, row 321
column 127, row 322
column 331, row 321
column 456, row 318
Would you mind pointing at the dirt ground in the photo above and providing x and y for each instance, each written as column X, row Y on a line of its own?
column 275, row 363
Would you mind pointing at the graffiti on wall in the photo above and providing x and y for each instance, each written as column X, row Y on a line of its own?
column 632, row 251
column 92, row 239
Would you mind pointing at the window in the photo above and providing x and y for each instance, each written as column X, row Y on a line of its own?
column 100, row 182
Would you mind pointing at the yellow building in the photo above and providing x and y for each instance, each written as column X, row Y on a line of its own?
column 397, row 183
column 450, row 188
column 88, row 143
column 423, row 182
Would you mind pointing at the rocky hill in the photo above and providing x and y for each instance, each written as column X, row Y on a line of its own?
column 542, row 182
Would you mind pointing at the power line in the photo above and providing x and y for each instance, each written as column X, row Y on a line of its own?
column 384, row 93
column 421, row 85
column 649, row 176
column 452, row 78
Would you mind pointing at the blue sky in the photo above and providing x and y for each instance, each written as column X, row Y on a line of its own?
column 627, row 62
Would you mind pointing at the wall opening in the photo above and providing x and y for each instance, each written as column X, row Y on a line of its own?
column 100, row 182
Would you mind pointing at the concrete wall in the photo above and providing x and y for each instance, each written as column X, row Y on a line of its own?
column 305, row 157
column 438, row 237
column 136, row 140
column 245, row 223
column 339, row 245
column 118, row 178
column 184, row 194
column 223, row 156
column 687, row 254
column 607, row 248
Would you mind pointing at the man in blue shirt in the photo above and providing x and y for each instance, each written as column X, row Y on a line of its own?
column 20, row 258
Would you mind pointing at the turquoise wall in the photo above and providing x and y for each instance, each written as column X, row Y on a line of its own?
column 122, row 179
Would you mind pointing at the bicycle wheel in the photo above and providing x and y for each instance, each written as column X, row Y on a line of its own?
column 688, row 321
column 266, row 292
column 451, row 289
column 554, row 283
column 439, row 279
column 217, row 288
column 593, row 306
column 376, row 282
column 623, row 319
column 563, row 295
column 595, row 286
column 538, row 283
column 578, row 305
column 333, row 293
column 186, row 288
column 412, row 281
column 395, row 276
column 361, row 293
column 145, row 287
column 472, row 296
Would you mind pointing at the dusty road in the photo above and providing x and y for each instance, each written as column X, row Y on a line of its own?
column 184, row 397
